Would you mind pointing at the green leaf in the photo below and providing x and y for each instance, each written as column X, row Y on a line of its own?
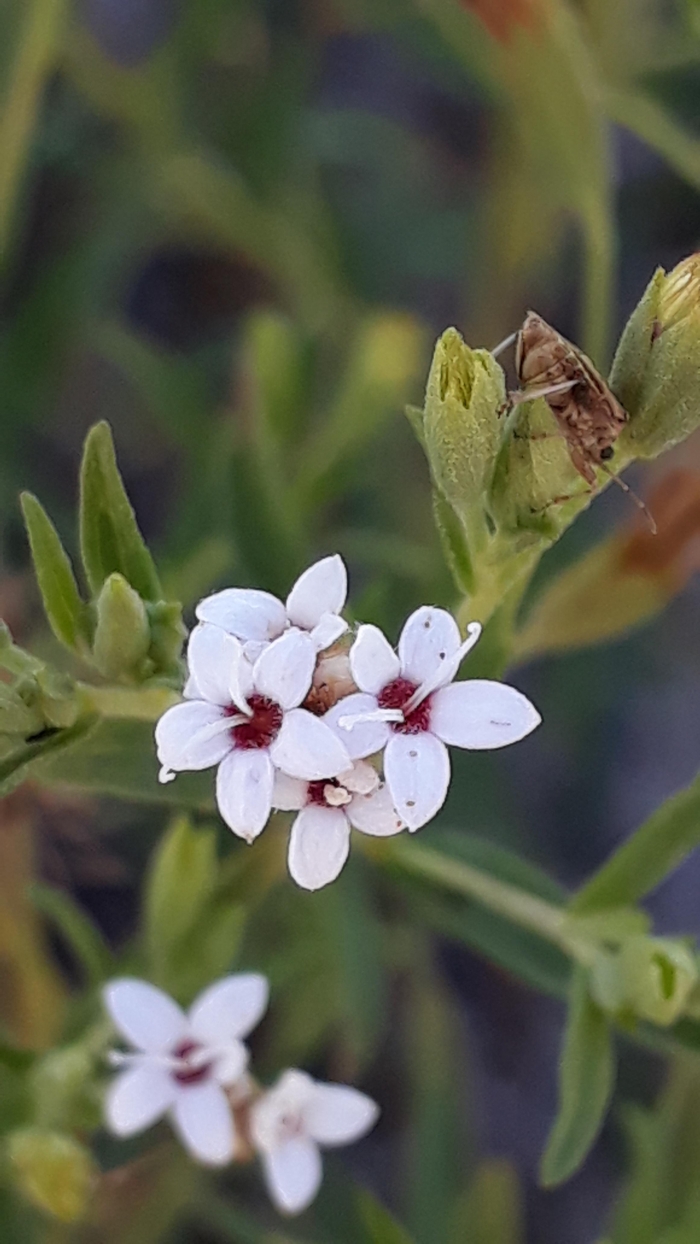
column 78, row 932
column 641, row 863
column 586, row 1082
column 491, row 1212
column 109, row 536
column 64, row 608
column 118, row 758
column 454, row 543
column 15, row 766
column 181, row 879
column 380, row 1225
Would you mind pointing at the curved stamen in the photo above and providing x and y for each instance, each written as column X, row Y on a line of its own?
column 379, row 714
column 446, row 672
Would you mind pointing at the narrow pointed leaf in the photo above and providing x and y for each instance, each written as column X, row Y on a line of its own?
column 81, row 936
column 380, row 1226
column 109, row 536
column 65, row 610
column 586, row 1082
column 641, row 863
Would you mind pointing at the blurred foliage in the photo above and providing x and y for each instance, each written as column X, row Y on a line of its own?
column 231, row 228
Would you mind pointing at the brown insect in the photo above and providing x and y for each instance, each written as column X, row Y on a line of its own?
column 588, row 414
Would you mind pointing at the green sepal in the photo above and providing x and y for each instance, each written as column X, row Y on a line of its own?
column 109, row 536
column 586, row 1082
column 122, row 634
column 53, row 1171
column 65, row 611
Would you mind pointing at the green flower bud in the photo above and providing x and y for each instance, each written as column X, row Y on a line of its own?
column 168, row 634
column 650, row 978
column 461, row 428
column 656, row 372
column 122, row 635
column 58, row 698
column 533, row 473
column 53, row 1171
column 64, row 1088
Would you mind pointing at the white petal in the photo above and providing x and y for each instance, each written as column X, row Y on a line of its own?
column 428, row 641
column 137, row 1098
column 229, row 1008
column 318, row 846
column 365, row 737
column 293, row 1173
column 320, row 589
column 284, row 670
column 288, row 793
column 278, row 1107
column 244, row 790
column 230, row 1063
column 144, row 1015
column 362, row 779
column 190, row 690
column 188, row 737
column 417, row 772
column 202, row 1118
column 307, row 748
column 330, row 628
column 211, row 653
column 480, row 714
column 373, row 662
column 337, row 1114
column 244, row 612
column 375, row 814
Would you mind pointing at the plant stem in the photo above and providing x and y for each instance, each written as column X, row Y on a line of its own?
column 137, row 703
column 520, row 907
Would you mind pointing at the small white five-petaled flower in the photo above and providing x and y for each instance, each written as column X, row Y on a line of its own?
column 289, row 1123
column 413, row 699
column 246, row 718
column 313, row 606
column 320, row 839
column 182, row 1063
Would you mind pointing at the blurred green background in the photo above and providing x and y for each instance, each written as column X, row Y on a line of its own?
column 233, row 228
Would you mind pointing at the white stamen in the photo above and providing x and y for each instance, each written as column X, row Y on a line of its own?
column 426, row 688
column 379, row 714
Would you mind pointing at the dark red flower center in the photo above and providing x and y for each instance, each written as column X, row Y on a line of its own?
column 262, row 727
column 316, row 791
column 395, row 695
column 189, row 1072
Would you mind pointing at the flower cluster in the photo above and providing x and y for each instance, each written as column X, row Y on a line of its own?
column 289, row 708
column 192, row 1067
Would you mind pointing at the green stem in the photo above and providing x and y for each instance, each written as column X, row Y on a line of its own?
column 526, row 910
column 138, row 704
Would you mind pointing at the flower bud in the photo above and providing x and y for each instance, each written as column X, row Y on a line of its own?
column 168, row 634
column 464, row 396
column 656, row 372
column 63, row 1086
column 53, row 1171
column 122, row 635
column 650, row 978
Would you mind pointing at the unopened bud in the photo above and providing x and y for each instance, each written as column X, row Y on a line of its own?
column 64, row 1088
column 122, row 635
column 656, row 372
column 465, row 395
column 650, row 978
column 53, row 1171
column 168, row 634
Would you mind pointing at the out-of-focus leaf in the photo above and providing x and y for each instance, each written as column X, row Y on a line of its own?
column 118, row 758
column 586, row 1083
column 16, row 766
column 81, row 936
column 109, row 536
column 65, row 610
column 436, row 1132
column 381, row 1227
column 653, row 851
column 180, row 881
column 491, row 1212
column 355, row 934
column 209, row 951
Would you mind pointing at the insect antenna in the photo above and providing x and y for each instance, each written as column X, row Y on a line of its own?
column 503, row 345
column 632, row 495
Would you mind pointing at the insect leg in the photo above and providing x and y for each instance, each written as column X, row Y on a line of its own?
column 540, row 390
column 633, row 497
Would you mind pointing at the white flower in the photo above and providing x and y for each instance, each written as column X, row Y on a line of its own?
column 320, row 839
column 246, row 719
column 291, row 1120
column 412, row 698
column 183, row 1062
column 256, row 617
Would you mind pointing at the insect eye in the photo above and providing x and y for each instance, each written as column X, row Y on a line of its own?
column 607, row 453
